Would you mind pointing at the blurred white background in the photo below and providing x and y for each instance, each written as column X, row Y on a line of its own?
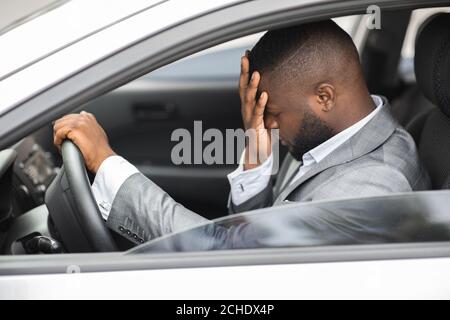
column 16, row 11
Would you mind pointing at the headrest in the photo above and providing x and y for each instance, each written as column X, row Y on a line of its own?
column 432, row 60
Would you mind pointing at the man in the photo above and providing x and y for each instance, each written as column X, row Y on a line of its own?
column 305, row 81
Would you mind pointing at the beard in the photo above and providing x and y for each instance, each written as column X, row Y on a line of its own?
column 313, row 132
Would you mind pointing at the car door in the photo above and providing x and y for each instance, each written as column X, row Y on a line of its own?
column 385, row 247
column 358, row 271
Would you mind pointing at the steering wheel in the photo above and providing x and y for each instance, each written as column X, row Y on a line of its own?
column 73, row 208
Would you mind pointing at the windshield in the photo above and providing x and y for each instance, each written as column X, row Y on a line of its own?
column 413, row 217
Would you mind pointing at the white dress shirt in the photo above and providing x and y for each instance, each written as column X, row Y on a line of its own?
column 244, row 184
column 109, row 178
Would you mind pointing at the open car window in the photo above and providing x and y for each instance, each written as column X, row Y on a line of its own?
column 409, row 217
column 222, row 61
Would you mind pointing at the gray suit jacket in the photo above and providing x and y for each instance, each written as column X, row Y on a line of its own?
column 379, row 159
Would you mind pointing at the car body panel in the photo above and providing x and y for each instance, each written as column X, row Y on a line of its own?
column 390, row 279
column 28, row 104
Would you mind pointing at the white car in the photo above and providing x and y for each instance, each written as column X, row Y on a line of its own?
column 145, row 67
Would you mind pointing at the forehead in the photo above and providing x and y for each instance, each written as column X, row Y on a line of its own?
column 268, row 84
column 277, row 90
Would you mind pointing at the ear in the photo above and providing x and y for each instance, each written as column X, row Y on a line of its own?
column 325, row 96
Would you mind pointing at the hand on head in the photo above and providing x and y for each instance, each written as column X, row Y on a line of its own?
column 252, row 110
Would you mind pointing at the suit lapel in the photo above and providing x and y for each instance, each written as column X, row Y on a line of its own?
column 369, row 138
column 287, row 173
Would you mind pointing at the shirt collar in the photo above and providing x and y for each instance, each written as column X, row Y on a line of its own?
column 321, row 151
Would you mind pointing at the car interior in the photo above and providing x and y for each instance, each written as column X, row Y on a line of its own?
column 409, row 67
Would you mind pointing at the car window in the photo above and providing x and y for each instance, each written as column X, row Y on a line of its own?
column 412, row 217
column 222, row 61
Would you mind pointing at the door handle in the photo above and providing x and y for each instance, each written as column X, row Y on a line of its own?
column 148, row 111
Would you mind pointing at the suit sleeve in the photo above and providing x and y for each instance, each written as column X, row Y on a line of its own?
column 142, row 211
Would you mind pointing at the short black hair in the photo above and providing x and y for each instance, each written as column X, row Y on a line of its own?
column 316, row 50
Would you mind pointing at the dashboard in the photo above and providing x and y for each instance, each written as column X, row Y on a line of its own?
column 33, row 171
column 26, row 171
column 38, row 213
column 7, row 158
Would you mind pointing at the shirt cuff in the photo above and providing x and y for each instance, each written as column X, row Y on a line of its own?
column 247, row 184
column 112, row 173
